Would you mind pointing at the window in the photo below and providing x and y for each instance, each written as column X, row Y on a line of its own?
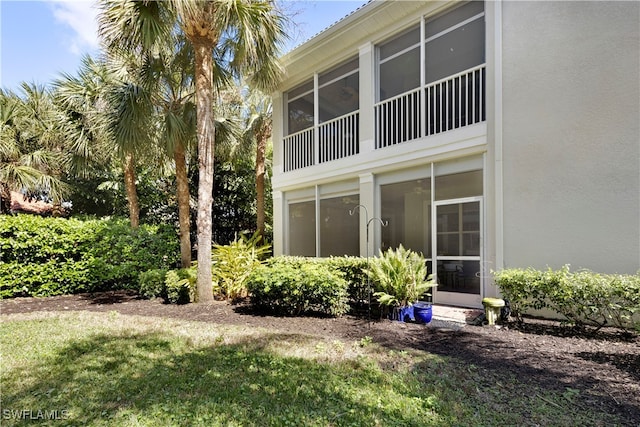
column 454, row 42
column 324, row 226
column 339, row 231
column 459, row 185
column 339, row 91
column 399, row 64
column 406, row 206
column 302, row 228
column 300, row 108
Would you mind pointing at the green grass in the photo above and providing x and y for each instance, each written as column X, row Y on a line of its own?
column 104, row 369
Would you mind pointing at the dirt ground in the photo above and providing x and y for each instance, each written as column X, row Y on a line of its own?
column 603, row 369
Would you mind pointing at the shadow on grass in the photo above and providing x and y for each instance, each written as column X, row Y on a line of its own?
column 148, row 379
column 599, row 388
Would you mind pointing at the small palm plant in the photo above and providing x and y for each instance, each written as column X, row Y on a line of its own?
column 399, row 276
column 233, row 263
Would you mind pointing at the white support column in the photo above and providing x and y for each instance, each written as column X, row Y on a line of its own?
column 497, row 90
column 493, row 191
column 279, row 222
column 318, row 219
column 367, row 97
column 367, row 199
column 423, row 81
column 316, row 121
column 277, row 137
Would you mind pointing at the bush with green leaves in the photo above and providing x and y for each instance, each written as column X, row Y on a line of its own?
column 296, row 285
column 399, row 277
column 233, row 263
column 354, row 270
column 583, row 298
column 180, row 285
column 53, row 256
column 151, row 283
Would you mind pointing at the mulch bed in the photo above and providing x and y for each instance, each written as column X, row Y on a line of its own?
column 604, row 367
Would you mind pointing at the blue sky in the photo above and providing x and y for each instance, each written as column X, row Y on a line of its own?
column 41, row 39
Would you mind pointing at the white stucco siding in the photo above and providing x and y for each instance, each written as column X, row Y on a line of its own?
column 571, row 134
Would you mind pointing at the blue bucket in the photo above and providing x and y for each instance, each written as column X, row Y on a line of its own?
column 402, row 314
column 423, row 312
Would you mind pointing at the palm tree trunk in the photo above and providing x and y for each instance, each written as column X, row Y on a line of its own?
column 130, row 188
column 5, row 198
column 182, row 194
column 206, row 134
column 261, row 145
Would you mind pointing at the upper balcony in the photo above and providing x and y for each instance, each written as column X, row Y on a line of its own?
column 442, row 106
column 427, row 80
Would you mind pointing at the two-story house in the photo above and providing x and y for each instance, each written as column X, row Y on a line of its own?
column 482, row 134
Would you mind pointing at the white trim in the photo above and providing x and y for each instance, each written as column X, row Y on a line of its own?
column 318, row 219
column 459, row 200
column 498, row 126
column 434, row 228
column 316, row 120
column 423, row 79
column 460, row 298
column 402, row 52
column 340, row 77
column 454, row 27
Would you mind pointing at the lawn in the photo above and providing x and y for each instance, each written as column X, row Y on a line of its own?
column 99, row 369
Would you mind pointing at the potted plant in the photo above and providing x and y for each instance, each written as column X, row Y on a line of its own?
column 400, row 279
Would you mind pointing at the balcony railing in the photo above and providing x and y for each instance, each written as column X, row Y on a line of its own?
column 337, row 138
column 299, row 150
column 441, row 106
column 448, row 104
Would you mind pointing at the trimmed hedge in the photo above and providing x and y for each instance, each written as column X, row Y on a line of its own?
column 354, row 270
column 54, row 256
column 583, row 298
column 296, row 285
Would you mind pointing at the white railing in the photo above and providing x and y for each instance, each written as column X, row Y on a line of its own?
column 398, row 119
column 450, row 103
column 338, row 138
column 299, row 150
column 441, row 106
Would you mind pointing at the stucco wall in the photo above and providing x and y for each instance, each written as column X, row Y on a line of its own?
column 571, row 134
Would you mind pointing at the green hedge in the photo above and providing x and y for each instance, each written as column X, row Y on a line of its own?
column 583, row 298
column 354, row 271
column 295, row 285
column 53, row 256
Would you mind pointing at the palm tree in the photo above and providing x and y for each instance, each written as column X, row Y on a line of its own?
column 169, row 75
column 130, row 123
column 164, row 71
column 80, row 100
column 229, row 38
column 103, row 109
column 31, row 155
column 258, row 131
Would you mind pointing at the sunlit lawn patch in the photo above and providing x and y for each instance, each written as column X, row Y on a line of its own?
column 108, row 369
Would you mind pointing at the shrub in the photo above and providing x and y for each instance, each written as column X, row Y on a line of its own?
column 53, row 256
column 354, row 272
column 293, row 286
column 583, row 298
column 233, row 263
column 151, row 283
column 43, row 279
column 399, row 276
column 181, row 285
